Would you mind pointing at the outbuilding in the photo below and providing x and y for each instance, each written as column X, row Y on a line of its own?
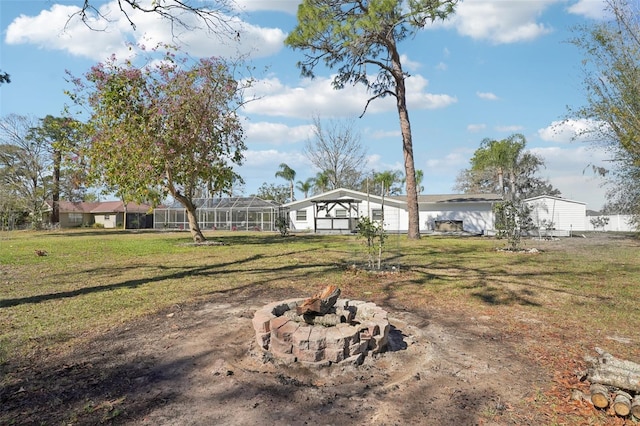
column 556, row 213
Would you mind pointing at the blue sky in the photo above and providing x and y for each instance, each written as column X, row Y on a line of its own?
column 496, row 68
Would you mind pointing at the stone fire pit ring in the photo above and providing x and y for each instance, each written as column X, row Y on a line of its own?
column 346, row 334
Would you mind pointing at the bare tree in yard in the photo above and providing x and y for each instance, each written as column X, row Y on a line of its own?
column 356, row 35
column 612, row 86
column 24, row 165
column 337, row 151
column 171, row 128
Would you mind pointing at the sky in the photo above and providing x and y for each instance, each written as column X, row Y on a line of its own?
column 495, row 68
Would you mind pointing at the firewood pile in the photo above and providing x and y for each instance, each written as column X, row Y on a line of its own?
column 615, row 384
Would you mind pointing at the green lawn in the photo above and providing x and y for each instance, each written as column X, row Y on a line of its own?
column 555, row 305
column 95, row 279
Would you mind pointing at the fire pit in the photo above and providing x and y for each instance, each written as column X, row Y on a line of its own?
column 321, row 330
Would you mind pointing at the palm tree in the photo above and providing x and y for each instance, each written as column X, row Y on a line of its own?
column 502, row 157
column 419, row 177
column 387, row 180
column 288, row 174
column 322, row 182
column 305, row 186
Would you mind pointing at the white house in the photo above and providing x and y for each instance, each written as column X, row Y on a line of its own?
column 338, row 211
column 558, row 213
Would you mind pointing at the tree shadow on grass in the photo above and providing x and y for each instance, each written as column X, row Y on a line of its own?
column 292, row 271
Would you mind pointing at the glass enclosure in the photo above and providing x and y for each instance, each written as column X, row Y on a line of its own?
column 231, row 213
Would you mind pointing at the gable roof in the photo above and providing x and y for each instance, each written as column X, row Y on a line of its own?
column 399, row 200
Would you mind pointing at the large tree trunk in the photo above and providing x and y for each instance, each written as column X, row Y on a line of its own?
column 407, row 148
column 194, row 227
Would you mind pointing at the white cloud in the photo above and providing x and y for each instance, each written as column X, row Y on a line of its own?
column 456, row 160
column 408, row 64
column 568, row 131
column 475, row 128
column 567, row 168
column 487, row 96
column 500, row 21
column 53, row 30
column 318, row 97
column 442, row 66
column 276, row 133
column 377, row 163
column 287, row 6
column 593, row 9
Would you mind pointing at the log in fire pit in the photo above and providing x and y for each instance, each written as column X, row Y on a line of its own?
column 321, row 330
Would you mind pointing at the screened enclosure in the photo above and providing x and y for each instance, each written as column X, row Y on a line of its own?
column 230, row 213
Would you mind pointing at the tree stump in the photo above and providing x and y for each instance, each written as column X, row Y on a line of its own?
column 600, row 395
column 320, row 303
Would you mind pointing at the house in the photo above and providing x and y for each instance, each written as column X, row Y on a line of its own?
column 556, row 213
column 109, row 214
column 339, row 210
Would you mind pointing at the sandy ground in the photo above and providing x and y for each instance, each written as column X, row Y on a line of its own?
column 199, row 365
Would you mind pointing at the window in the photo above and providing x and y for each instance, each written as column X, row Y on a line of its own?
column 75, row 218
column 106, row 217
column 341, row 213
column 376, row 214
column 301, row 215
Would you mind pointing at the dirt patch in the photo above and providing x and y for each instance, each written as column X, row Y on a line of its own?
column 184, row 367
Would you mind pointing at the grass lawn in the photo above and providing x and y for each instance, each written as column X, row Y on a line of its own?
column 561, row 302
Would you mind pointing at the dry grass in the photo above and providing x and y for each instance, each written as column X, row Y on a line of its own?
column 554, row 305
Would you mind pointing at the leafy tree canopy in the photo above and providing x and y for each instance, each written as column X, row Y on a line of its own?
column 504, row 167
column 356, row 37
column 168, row 128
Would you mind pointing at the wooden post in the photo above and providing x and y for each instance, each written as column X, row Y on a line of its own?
column 600, row 395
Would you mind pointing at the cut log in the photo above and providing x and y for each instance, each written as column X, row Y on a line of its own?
column 611, row 371
column 320, row 303
column 622, row 403
column 600, row 395
column 635, row 406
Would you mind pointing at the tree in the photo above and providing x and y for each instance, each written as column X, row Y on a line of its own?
column 61, row 137
column 419, row 178
column 356, row 35
column 322, row 182
column 4, row 77
column 24, row 165
column 387, row 182
column 612, row 86
column 504, row 167
column 305, row 187
column 270, row 191
column 337, row 151
column 288, row 174
column 161, row 129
